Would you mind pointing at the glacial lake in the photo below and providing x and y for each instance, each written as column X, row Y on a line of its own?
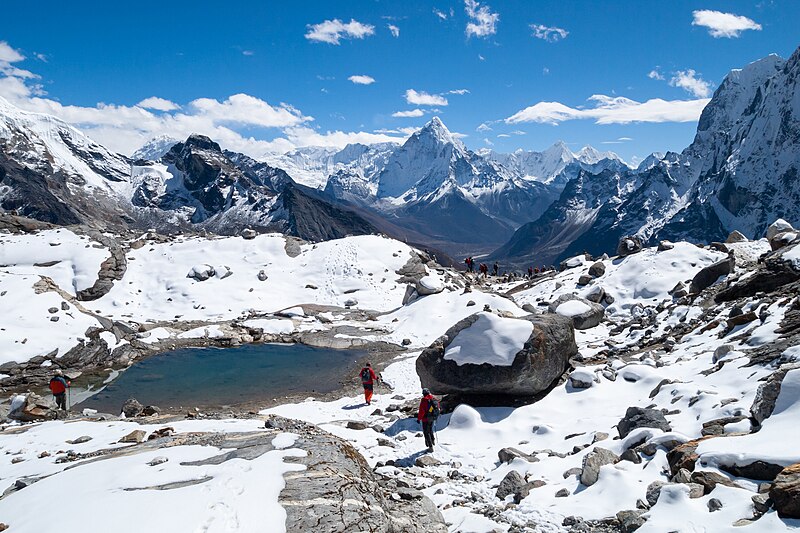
column 192, row 377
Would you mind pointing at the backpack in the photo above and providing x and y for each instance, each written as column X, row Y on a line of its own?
column 365, row 377
column 433, row 409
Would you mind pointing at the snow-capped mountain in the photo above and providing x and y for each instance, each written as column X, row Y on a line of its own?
column 739, row 173
column 312, row 165
column 548, row 166
column 155, row 148
column 51, row 171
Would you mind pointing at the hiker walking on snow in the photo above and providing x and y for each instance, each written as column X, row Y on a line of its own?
column 59, row 386
column 429, row 411
column 470, row 264
column 368, row 379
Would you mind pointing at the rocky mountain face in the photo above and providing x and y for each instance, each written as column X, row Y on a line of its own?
column 739, row 173
column 52, row 172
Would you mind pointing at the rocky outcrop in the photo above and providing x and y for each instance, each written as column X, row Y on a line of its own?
column 542, row 360
column 32, row 408
column 628, row 245
column 592, row 462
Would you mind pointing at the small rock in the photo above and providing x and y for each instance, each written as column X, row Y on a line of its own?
column 562, row 493
column 761, row 502
column 592, row 463
column 53, row 310
column 631, row 455
column 426, row 460
column 597, row 269
column 151, row 410
column 249, row 234
column 53, row 319
column 158, row 460
column 638, row 417
column 511, row 484
column 135, row 436
column 714, row 505
column 132, row 408
column 357, row 425
column 262, row 276
column 406, row 342
column 80, row 440
column 785, row 492
column 630, row 521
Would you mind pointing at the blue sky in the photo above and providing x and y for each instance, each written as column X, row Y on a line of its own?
column 508, row 55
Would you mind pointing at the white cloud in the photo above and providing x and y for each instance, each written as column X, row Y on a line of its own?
column 483, row 22
column 125, row 128
column 8, row 54
column 394, row 29
column 40, row 57
column 503, row 136
column 655, row 75
column 481, row 57
column 361, row 79
column 422, row 98
column 459, row 91
column 613, row 110
column 487, row 142
column 331, row 31
column 519, row 132
column 551, row 34
column 687, row 80
column 721, row 24
column 483, row 127
column 159, row 104
column 248, row 53
column 545, row 71
column 409, row 114
column 441, row 14
column 625, row 139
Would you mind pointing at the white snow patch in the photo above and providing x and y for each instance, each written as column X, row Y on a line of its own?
column 490, row 339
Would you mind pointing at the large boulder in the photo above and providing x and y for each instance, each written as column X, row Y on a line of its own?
column 132, row 408
column 783, row 239
column 32, row 408
column 779, row 226
column 640, row 417
column 710, row 274
column 488, row 354
column 583, row 313
column 430, row 284
column 785, row 492
column 592, row 462
column 628, row 245
column 735, row 236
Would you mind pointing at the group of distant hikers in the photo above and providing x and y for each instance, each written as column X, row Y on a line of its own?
column 483, row 270
column 429, row 408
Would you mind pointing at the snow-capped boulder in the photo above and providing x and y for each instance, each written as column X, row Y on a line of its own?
column 639, row 417
column 628, row 245
column 583, row 313
column 249, row 234
column 735, row 236
column 784, row 238
column 779, row 226
column 31, row 408
column 488, row 354
column 430, row 284
column 582, row 378
column 201, row 272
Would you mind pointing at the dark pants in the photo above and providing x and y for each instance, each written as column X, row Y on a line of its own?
column 61, row 400
column 427, row 430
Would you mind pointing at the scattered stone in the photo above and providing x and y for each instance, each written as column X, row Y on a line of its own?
column 80, row 440
column 262, row 276
column 201, row 272
column 741, row 320
column 406, row 342
column 664, row 246
column 357, row 425
column 426, row 460
column 64, row 306
column 584, row 279
column 132, row 408
column 631, row 455
column 53, row 319
column 630, row 521
column 709, row 480
column 249, row 234
column 511, row 484
column 158, row 460
column 761, row 502
column 597, row 269
column 161, row 432
column 629, row 245
column 151, row 410
column 592, row 463
column 638, row 417
column 506, row 455
column 714, row 505
column 717, row 426
column 562, row 493
column 136, row 436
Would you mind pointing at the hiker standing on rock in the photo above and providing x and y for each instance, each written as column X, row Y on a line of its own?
column 495, row 268
column 59, row 386
column 368, row 379
column 429, row 411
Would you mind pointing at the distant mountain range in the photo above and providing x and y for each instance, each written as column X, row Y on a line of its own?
column 741, row 172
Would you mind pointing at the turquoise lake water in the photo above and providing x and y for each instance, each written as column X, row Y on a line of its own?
column 226, row 376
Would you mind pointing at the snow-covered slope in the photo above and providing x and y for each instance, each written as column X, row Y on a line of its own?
column 740, row 173
column 155, row 148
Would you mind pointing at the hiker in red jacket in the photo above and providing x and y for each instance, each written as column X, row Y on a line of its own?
column 368, row 379
column 429, row 411
column 59, row 386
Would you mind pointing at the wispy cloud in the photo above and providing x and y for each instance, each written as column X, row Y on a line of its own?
column 551, row 34
column 503, row 136
column 248, row 53
column 483, row 22
column 442, row 15
column 621, row 140
column 332, row 31
column 655, row 75
column 613, row 110
column 487, row 142
column 721, row 24
column 9, row 54
column 394, row 30
column 158, row 104
column 361, row 79
column 413, row 113
column 483, row 127
column 422, row 98
column 690, row 82
column 459, row 91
